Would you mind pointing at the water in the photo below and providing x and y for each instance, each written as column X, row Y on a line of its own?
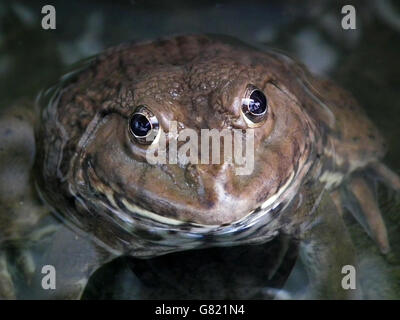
column 365, row 61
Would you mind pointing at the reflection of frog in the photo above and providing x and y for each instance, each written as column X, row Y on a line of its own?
column 312, row 143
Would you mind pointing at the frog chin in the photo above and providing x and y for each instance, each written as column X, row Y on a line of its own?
column 122, row 215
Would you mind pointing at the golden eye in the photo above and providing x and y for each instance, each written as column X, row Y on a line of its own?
column 254, row 104
column 143, row 125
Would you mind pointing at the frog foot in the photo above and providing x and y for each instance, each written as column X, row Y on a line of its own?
column 387, row 176
column 278, row 294
column 366, row 210
column 7, row 290
column 24, row 257
column 368, row 204
column 22, row 260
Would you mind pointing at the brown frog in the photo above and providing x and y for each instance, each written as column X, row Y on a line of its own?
column 313, row 148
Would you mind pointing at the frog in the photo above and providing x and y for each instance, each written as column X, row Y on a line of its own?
column 86, row 170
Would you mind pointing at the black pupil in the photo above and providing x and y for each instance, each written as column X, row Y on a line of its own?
column 140, row 125
column 258, row 102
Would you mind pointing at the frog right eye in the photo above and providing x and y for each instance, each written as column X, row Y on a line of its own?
column 254, row 105
column 143, row 125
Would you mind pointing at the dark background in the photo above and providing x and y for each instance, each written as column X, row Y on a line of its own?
column 365, row 61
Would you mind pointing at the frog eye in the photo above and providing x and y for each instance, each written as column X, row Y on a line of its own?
column 143, row 125
column 254, row 104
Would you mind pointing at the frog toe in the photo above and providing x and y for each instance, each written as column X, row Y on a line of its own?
column 70, row 259
column 367, row 203
column 387, row 176
column 337, row 200
column 277, row 294
column 26, row 263
column 7, row 290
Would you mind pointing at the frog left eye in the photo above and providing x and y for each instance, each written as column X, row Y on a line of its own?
column 254, row 104
column 143, row 125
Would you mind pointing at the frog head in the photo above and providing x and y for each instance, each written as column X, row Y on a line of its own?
column 103, row 124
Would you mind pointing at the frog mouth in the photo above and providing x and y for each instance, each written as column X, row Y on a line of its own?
column 123, row 208
column 140, row 226
column 129, row 213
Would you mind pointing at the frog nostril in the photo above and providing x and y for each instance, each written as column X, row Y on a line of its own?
column 191, row 174
column 204, row 174
column 205, row 181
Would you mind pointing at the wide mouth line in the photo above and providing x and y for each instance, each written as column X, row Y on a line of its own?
column 127, row 210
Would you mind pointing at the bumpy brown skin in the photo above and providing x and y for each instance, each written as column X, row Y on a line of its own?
column 89, row 165
column 195, row 80
column 192, row 80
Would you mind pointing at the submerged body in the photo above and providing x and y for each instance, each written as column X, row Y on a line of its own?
column 312, row 142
